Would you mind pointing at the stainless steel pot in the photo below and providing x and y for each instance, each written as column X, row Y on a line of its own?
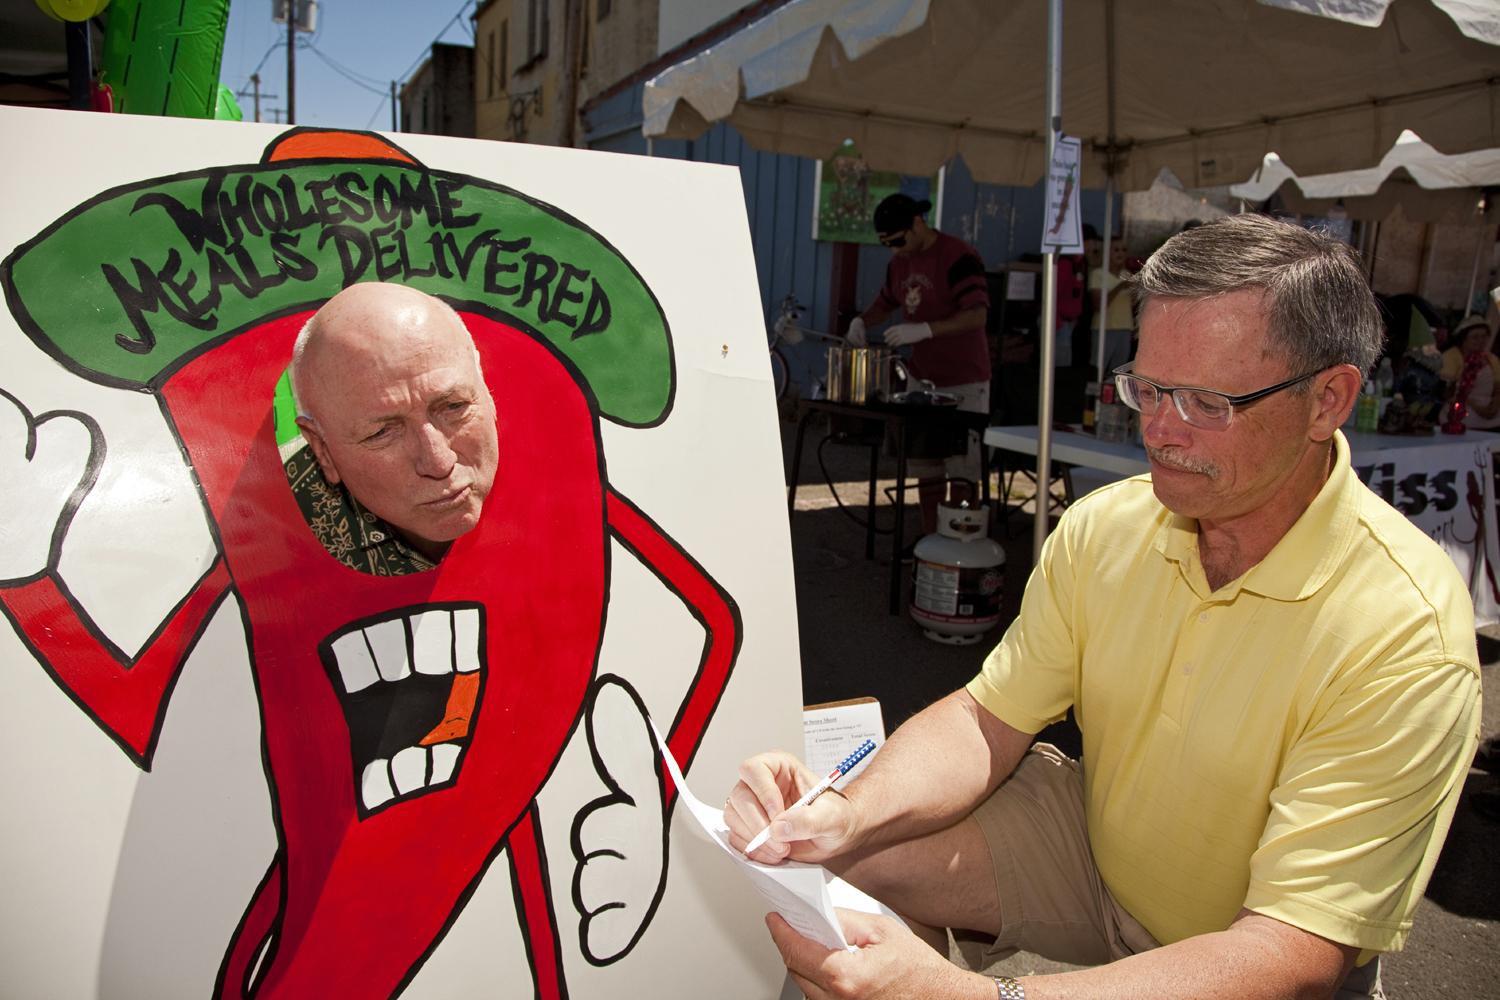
column 860, row 375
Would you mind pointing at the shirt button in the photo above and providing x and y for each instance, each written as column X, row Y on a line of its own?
column 1187, row 668
column 1203, row 616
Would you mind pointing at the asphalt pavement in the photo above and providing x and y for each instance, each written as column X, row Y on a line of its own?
column 851, row 647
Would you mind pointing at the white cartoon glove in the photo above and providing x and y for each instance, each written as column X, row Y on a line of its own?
column 48, row 463
column 619, row 840
column 857, row 333
column 907, row 333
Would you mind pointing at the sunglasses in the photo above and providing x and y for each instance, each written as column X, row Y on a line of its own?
column 897, row 241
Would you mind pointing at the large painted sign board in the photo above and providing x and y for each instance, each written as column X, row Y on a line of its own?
column 238, row 767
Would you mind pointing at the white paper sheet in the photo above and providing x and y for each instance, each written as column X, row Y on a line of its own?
column 832, row 732
column 804, row 894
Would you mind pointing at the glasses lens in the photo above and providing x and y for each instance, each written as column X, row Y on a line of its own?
column 1204, row 409
column 895, row 241
column 1136, row 394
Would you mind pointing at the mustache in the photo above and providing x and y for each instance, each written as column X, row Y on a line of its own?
column 1182, row 463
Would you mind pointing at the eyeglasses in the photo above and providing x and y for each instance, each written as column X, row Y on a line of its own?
column 895, row 241
column 1203, row 408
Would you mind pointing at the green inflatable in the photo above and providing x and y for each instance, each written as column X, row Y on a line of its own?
column 161, row 57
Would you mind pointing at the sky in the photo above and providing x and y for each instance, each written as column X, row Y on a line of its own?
column 372, row 41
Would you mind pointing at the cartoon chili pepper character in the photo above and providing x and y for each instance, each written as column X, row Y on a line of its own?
column 409, row 721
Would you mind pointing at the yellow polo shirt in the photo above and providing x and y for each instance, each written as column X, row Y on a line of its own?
column 1294, row 742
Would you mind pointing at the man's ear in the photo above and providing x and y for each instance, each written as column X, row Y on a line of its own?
column 319, row 448
column 1335, row 392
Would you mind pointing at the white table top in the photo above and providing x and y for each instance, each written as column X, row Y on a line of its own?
column 1126, row 459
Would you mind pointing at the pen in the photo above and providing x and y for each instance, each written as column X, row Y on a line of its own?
column 847, row 765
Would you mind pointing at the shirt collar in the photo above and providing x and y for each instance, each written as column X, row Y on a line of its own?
column 375, row 532
column 1307, row 555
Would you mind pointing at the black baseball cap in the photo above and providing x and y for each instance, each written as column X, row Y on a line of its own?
column 894, row 214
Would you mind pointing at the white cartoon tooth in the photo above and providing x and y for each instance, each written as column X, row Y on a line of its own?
column 409, row 768
column 355, row 666
column 432, row 642
column 388, row 641
column 444, row 756
column 375, row 784
column 466, row 639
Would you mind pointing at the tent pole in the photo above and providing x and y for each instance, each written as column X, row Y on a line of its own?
column 1049, row 294
column 1109, row 182
column 1479, row 210
column 1109, row 228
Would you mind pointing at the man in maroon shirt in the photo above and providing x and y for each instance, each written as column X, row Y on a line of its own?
column 938, row 282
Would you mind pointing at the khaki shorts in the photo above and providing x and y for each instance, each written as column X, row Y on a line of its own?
column 1053, row 902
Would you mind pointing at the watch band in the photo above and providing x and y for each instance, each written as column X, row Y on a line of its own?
column 1009, row 988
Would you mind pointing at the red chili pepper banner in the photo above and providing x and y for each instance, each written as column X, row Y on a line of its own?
column 410, row 726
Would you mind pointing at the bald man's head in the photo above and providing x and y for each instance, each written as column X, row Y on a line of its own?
column 392, row 401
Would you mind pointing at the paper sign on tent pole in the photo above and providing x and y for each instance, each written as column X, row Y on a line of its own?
column 1062, row 230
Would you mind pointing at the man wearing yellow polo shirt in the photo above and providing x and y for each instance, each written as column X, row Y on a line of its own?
column 1274, row 673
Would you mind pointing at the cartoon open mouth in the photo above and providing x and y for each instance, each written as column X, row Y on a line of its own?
column 409, row 682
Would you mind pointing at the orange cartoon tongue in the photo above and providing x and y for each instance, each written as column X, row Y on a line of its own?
column 460, row 710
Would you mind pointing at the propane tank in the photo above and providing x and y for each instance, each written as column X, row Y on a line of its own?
column 959, row 577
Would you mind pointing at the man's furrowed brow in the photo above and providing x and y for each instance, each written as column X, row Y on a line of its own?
column 456, row 391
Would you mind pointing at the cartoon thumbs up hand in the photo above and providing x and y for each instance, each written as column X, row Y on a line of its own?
column 48, row 464
column 620, row 839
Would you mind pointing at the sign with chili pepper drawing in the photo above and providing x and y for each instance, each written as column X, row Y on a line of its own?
column 258, row 747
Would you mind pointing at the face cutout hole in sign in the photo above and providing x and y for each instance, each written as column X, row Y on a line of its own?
column 349, row 532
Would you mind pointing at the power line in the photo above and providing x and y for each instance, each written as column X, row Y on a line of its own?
column 274, row 46
column 376, row 113
column 344, row 71
column 371, row 80
column 428, row 47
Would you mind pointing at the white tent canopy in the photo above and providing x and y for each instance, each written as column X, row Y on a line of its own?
column 1428, row 184
column 1205, row 87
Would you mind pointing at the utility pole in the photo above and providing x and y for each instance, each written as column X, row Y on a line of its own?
column 255, row 79
column 395, row 127
column 291, row 62
column 300, row 15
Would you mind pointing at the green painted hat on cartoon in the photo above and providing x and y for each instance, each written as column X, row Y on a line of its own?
column 134, row 283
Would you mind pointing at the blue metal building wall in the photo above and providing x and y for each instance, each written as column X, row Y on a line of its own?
column 1004, row 222
column 778, row 202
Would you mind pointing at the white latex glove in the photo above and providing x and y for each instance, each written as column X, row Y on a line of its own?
column 620, row 839
column 857, row 333
column 907, row 333
column 47, row 464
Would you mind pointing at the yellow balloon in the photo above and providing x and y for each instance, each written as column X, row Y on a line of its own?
column 71, row 10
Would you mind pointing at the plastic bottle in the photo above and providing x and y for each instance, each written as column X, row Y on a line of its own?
column 1112, row 418
column 1090, row 396
column 1368, row 408
column 1385, row 378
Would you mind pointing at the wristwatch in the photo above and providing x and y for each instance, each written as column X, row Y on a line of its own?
column 1009, row 988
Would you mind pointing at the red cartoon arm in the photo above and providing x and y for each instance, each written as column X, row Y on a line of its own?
column 127, row 699
column 707, row 601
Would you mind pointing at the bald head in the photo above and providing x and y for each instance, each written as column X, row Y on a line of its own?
column 371, row 320
column 393, row 403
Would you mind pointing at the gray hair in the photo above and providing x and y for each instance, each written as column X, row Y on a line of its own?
column 1319, row 308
